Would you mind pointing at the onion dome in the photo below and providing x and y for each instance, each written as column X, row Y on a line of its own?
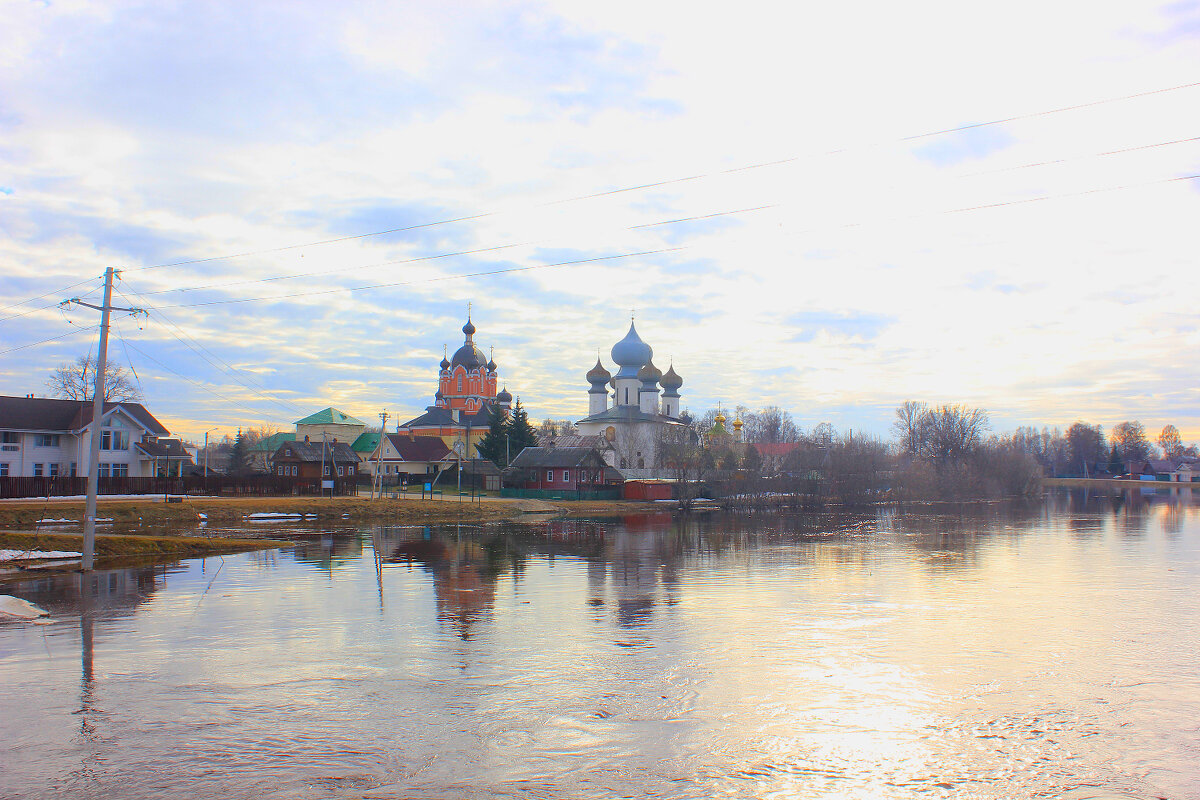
column 445, row 365
column 671, row 382
column 469, row 328
column 631, row 353
column 597, row 376
column 503, row 397
column 469, row 357
column 737, row 425
column 649, row 376
column 491, row 365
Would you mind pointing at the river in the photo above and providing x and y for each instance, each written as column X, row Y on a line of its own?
column 1047, row 650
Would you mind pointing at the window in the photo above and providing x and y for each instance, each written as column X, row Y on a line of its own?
column 460, row 383
column 325, row 469
column 279, row 470
column 350, row 470
column 106, row 440
column 566, row 476
column 38, row 470
column 10, row 437
column 54, row 470
column 46, row 440
column 120, row 470
column 73, row 469
column 120, row 440
column 549, row 476
column 3, row 469
column 104, row 470
column 341, row 471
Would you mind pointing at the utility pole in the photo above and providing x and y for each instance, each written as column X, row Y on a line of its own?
column 89, row 518
column 383, row 418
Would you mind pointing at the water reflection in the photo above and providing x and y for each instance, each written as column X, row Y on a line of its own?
column 988, row 651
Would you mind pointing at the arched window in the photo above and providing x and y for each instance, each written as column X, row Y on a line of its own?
column 460, row 383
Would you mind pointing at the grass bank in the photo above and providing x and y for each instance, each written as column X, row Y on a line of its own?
column 116, row 545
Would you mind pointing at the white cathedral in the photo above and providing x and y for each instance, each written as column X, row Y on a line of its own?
column 638, row 416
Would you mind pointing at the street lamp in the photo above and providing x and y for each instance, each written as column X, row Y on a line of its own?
column 206, row 433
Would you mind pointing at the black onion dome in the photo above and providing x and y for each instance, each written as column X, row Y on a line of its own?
column 598, row 374
column 503, row 396
column 491, row 365
column 649, row 373
column 469, row 328
column 670, row 380
column 445, row 363
column 469, row 357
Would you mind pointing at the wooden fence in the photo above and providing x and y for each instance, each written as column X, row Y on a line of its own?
column 196, row 485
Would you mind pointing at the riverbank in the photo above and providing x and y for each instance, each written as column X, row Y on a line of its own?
column 137, row 515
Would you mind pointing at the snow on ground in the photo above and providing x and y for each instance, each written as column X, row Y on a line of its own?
column 30, row 555
column 270, row 515
column 58, row 522
column 21, row 609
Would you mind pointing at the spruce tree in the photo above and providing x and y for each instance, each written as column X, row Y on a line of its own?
column 493, row 446
column 1115, row 463
column 238, row 457
column 520, row 432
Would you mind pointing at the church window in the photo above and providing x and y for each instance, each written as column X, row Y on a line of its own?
column 460, row 383
column 626, row 395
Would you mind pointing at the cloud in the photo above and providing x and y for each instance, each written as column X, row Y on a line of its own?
column 847, row 326
column 969, row 145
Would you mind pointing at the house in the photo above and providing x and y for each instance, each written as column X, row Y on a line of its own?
column 263, row 450
column 557, row 469
column 330, row 424
column 310, row 462
column 49, row 437
column 402, row 455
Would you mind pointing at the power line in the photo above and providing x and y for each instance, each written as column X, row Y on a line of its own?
column 43, row 341
column 671, row 181
column 47, row 294
column 576, row 262
column 427, row 280
column 199, row 349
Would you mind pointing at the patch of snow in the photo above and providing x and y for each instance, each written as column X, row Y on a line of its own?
column 203, row 516
column 266, row 515
column 21, row 609
column 57, row 522
column 30, row 555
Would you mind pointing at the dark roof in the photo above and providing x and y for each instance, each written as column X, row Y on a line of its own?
column 272, row 442
column 164, row 448
column 313, row 451
column 436, row 416
column 554, row 457
column 479, row 466
column 52, row 414
column 419, row 448
column 629, row 414
column 595, row 441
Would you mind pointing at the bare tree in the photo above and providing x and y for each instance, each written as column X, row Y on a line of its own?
column 955, row 431
column 771, row 425
column 633, row 449
column 1130, row 439
column 77, row 381
column 1085, row 445
column 1169, row 441
column 909, row 426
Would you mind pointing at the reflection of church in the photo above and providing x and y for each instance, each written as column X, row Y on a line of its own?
column 638, row 416
column 464, row 400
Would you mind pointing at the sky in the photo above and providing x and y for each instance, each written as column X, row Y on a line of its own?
column 827, row 207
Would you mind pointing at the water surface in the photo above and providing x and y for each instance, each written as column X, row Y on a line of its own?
column 993, row 652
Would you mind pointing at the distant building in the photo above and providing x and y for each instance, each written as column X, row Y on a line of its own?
column 47, row 437
column 310, row 461
column 404, row 454
column 557, row 469
column 464, row 399
column 638, row 416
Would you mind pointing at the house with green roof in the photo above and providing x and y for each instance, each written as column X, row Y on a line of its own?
column 330, row 424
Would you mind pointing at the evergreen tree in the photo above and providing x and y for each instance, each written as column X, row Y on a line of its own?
column 1115, row 464
column 238, row 457
column 520, row 432
column 493, row 446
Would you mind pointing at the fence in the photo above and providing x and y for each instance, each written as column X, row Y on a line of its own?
column 197, row 485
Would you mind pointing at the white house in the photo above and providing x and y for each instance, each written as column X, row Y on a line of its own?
column 47, row 437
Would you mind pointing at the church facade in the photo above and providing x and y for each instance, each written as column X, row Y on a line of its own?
column 464, row 399
column 644, row 405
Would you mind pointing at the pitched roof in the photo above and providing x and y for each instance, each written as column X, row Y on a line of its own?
column 554, row 457
column 165, row 448
column 330, row 416
column 366, row 442
column 53, row 414
column 629, row 414
column 438, row 417
column 419, row 448
column 314, row 451
column 595, row 441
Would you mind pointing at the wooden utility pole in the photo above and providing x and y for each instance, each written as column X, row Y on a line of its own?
column 89, row 518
